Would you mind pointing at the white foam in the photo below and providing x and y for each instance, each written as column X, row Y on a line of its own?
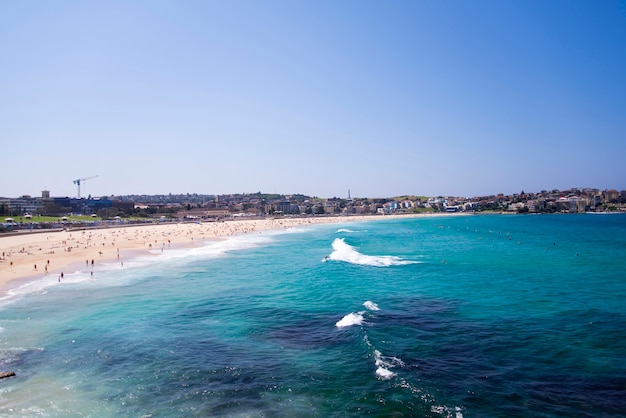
column 381, row 360
column 447, row 412
column 290, row 230
column 350, row 319
column 346, row 231
column 220, row 247
column 371, row 305
column 384, row 364
column 384, row 374
column 347, row 253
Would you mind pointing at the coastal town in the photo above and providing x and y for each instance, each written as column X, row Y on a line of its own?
column 15, row 211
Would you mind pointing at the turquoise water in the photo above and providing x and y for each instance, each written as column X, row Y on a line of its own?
column 469, row 316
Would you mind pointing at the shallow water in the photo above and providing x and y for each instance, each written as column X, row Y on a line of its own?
column 455, row 316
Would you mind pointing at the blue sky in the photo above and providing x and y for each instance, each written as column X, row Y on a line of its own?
column 460, row 98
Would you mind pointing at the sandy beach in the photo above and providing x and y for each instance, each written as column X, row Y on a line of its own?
column 30, row 256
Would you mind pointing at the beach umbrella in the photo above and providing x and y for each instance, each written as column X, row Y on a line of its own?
column 8, row 219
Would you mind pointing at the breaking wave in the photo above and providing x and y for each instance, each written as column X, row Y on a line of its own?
column 350, row 319
column 349, row 254
column 347, row 231
column 371, row 305
column 392, row 368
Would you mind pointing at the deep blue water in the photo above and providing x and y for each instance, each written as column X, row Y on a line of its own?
column 473, row 316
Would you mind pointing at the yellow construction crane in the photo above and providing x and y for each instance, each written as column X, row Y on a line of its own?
column 78, row 181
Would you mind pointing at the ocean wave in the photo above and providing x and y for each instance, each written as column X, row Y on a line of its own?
column 384, row 364
column 347, row 231
column 218, row 248
column 384, row 374
column 347, row 253
column 354, row 318
column 371, row 305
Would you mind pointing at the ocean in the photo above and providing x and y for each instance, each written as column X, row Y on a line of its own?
column 460, row 316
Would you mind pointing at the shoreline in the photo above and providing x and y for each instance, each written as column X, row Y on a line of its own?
column 29, row 257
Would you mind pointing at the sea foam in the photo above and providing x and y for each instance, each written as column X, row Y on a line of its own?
column 347, row 253
column 350, row 319
column 384, row 364
column 347, row 231
column 371, row 305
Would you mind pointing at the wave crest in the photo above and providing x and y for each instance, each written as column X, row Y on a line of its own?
column 384, row 364
column 371, row 305
column 350, row 319
column 347, row 231
column 349, row 254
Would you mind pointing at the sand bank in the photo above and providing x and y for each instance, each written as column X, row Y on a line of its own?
column 29, row 256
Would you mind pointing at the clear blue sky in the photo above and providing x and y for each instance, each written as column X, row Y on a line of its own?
column 383, row 98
